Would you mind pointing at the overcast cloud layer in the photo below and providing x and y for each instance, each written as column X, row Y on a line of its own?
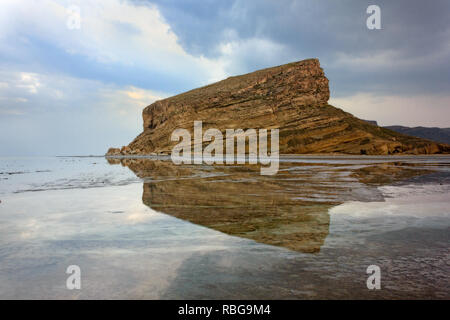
column 79, row 91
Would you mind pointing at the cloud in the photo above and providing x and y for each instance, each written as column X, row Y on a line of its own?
column 112, row 35
column 68, row 115
column 237, row 56
column 80, row 90
column 410, row 55
column 29, row 81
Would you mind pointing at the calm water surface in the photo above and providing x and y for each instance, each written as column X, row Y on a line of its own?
column 147, row 229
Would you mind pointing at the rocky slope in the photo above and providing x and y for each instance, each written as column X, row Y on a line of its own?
column 291, row 97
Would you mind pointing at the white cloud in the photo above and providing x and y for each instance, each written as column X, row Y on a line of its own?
column 13, row 112
column 17, row 89
column 111, row 31
column 118, row 32
column 68, row 115
column 29, row 81
column 33, row 92
column 123, row 106
column 140, row 96
column 236, row 55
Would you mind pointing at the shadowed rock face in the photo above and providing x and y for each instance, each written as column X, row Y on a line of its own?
column 291, row 97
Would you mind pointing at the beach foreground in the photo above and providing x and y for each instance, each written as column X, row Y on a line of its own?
column 149, row 229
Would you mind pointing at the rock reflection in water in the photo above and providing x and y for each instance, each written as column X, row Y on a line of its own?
column 289, row 209
column 235, row 200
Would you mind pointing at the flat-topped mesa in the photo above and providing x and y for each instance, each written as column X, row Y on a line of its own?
column 298, row 83
column 292, row 97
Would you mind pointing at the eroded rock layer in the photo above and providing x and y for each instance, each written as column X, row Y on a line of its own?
column 292, row 97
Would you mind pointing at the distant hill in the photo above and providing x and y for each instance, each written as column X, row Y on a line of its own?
column 441, row 135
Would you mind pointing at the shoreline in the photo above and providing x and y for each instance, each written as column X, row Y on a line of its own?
column 287, row 156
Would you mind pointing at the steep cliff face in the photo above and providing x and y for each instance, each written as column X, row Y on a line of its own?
column 291, row 97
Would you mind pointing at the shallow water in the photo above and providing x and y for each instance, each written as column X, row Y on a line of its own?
column 149, row 229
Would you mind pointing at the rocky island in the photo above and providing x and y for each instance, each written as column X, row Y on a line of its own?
column 292, row 98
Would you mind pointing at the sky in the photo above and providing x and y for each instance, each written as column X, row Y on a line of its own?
column 75, row 75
